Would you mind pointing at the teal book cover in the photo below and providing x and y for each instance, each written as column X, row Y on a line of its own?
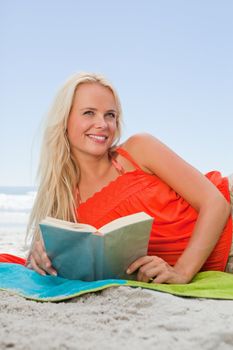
column 87, row 256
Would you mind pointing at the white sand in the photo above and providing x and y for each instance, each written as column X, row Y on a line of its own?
column 118, row 317
column 12, row 241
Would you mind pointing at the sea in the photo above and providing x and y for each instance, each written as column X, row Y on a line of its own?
column 15, row 206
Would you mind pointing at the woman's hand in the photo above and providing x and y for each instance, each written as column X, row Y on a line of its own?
column 156, row 270
column 39, row 261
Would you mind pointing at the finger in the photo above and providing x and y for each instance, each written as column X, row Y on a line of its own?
column 145, row 270
column 163, row 274
column 148, row 274
column 42, row 261
column 37, row 257
column 51, row 271
column 138, row 263
column 164, row 277
column 153, row 269
column 37, row 252
column 33, row 265
column 150, row 269
column 41, row 269
column 39, row 247
column 153, row 260
column 46, row 264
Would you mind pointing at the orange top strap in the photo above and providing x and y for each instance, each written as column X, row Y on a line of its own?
column 126, row 155
column 118, row 166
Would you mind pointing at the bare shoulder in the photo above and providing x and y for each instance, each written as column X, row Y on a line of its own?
column 182, row 177
column 141, row 147
column 139, row 139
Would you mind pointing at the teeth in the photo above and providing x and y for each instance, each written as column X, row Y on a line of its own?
column 97, row 137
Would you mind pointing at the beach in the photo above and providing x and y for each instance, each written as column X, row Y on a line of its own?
column 118, row 317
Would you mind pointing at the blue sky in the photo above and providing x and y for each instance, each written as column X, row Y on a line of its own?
column 171, row 62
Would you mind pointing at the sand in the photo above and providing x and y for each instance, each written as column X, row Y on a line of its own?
column 118, row 317
column 115, row 318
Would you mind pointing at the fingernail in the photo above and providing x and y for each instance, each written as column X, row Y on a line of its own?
column 54, row 273
column 128, row 271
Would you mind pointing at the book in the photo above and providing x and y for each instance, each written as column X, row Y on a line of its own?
column 80, row 251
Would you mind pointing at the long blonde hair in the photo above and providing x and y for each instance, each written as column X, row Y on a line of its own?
column 58, row 173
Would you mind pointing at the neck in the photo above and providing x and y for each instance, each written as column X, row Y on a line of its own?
column 93, row 167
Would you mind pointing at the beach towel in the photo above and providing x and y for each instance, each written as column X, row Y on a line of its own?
column 19, row 280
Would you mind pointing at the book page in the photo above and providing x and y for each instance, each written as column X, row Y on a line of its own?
column 123, row 221
column 73, row 226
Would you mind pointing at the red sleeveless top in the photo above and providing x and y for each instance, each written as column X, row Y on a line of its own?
column 174, row 218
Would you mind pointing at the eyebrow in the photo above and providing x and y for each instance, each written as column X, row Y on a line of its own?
column 95, row 109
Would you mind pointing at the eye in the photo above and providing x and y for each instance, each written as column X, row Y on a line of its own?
column 112, row 115
column 88, row 113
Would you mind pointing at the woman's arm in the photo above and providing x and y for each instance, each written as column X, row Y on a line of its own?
column 213, row 209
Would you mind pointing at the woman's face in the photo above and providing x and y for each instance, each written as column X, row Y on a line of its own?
column 92, row 122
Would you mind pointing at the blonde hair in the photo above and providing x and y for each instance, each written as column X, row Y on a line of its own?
column 58, row 173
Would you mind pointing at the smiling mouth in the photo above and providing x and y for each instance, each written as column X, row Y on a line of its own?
column 97, row 137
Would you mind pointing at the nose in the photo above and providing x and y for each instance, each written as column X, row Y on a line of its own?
column 100, row 122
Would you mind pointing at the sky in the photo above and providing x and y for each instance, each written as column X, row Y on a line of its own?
column 171, row 62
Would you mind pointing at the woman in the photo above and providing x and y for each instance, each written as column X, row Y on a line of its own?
column 85, row 177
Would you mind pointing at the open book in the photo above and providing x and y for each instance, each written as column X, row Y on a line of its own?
column 80, row 251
